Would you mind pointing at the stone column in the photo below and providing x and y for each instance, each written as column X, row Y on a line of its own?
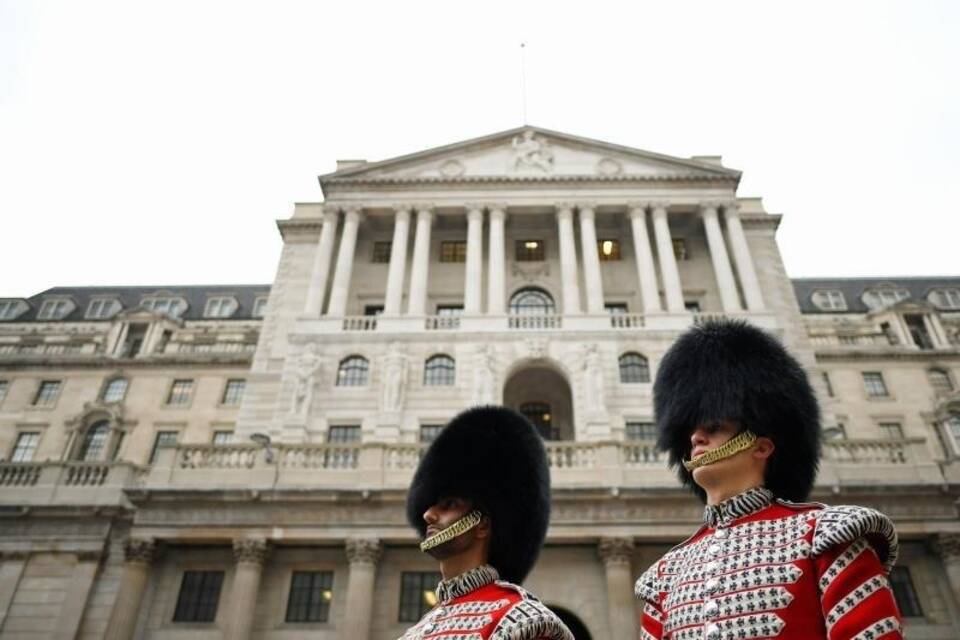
column 947, row 546
column 363, row 555
column 621, row 610
column 742, row 258
column 568, row 260
column 417, row 303
column 341, row 277
column 77, row 594
column 12, row 564
column 321, row 264
column 473, row 279
column 591, row 259
column 668, row 262
column 496, row 281
column 646, row 272
column 721, row 261
column 250, row 553
column 138, row 557
column 398, row 261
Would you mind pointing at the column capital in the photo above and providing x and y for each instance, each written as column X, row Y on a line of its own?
column 353, row 213
column 363, row 550
column 252, row 550
column 140, row 550
column 709, row 207
column 564, row 209
column 615, row 550
column 659, row 207
column 637, row 207
column 947, row 546
column 730, row 208
column 497, row 211
column 475, row 212
column 331, row 210
column 401, row 207
column 424, row 211
column 587, row 209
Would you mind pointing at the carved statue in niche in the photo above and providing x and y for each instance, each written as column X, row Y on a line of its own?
column 306, row 374
column 592, row 379
column 484, row 376
column 394, row 378
column 531, row 152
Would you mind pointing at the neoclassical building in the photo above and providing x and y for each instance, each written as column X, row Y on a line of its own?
column 232, row 461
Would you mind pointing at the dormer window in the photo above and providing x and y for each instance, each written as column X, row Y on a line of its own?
column 168, row 305
column 102, row 308
column 259, row 307
column 10, row 309
column 220, row 307
column 945, row 298
column 883, row 297
column 55, row 309
column 829, row 300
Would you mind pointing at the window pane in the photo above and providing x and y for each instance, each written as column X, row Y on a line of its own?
column 641, row 431
column 453, row 251
column 939, row 380
column 222, row 437
column 634, row 368
column 542, row 418
column 904, row 593
column 353, row 372
column 531, row 250
column 47, row 393
column 680, row 249
column 417, row 594
column 310, row 596
column 381, row 251
column 180, row 392
column 343, row 434
column 608, row 249
column 25, row 447
column 531, row 302
column 4, row 387
column 163, row 439
column 115, row 390
column 233, row 392
column 429, row 432
column 439, row 371
column 874, row 384
column 259, row 307
column 199, row 595
column 891, row 430
column 94, row 441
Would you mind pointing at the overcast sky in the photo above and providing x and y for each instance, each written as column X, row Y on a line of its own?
column 157, row 142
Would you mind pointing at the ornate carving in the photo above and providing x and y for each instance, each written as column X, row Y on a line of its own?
column 306, row 374
column 532, row 272
column 253, row 550
column 140, row 550
column 609, row 167
column 484, row 376
column 593, row 378
column 452, row 168
column 394, row 378
column 531, row 152
column 537, row 347
column 947, row 546
column 615, row 550
column 363, row 550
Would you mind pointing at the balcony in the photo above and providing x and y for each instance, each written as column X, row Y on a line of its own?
column 101, row 484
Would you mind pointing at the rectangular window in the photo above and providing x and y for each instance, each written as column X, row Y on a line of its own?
column 4, row 387
column 220, row 307
column 343, row 434
column 826, row 383
column 54, row 309
column 874, row 384
column 891, row 430
column 449, row 310
column 417, row 594
column 233, row 392
column 310, row 596
column 222, row 437
column 453, row 251
column 641, row 431
column 530, row 251
column 904, row 593
column 608, row 249
column 680, row 249
column 101, row 308
column 381, row 251
column 115, row 390
column 163, row 439
column 429, row 431
column 25, row 447
column 616, row 308
column 918, row 331
column 259, row 307
column 47, row 393
column 180, row 393
column 692, row 307
column 373, row 310
column 199, row 596
column 10, row 309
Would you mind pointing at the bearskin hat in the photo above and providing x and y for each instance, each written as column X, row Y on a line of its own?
column 730, row 370
column 495, row 457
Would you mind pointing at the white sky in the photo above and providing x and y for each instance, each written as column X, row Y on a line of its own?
column 156, row 142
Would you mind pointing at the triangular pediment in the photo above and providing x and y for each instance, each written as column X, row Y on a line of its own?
column 531, row 153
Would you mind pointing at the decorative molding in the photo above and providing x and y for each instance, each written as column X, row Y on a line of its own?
column 140, row 550
column 452, row 169
column 609, row 167
column 530, row 273
column 947, row 546
column 363, row 550
column 252, row 550
column 615, row 551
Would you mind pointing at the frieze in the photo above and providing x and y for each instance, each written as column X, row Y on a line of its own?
column 615, row 550
column 947, row 546
column 139, row 550
column 251, row 550
column 363, row 550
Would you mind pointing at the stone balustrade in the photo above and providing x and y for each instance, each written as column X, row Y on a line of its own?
column 78, row 483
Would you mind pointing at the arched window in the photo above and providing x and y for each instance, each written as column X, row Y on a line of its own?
column 115, row 390
column 634, row 368
column 940, row 381
column 539, row 414
column 440, row 371
column 353, row 372
column 94, row 441
column 532, row 302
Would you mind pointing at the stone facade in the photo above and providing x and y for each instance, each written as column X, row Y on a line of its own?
column 533, row 268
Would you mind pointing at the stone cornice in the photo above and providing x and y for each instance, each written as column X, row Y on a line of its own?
column 502, row 179
column 841, row 354
column 304, row 229
column 101, row 361
column 751, row 221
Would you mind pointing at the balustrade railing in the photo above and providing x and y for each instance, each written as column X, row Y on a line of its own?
column 86, row 474
column 535, row 323
column 850, row 340
column 626, row 320
column 19, row 474
column 360, row 323
column 441, row 323
column 895, row 452
column 641, row 453
column 209, row 456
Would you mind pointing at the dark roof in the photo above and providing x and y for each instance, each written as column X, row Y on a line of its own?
column 130, row 297
column 853, row 289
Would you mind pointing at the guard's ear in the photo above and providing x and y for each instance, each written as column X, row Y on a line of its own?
column 763, row 448
column 483, row 529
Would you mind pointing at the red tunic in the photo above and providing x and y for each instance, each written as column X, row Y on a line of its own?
column 479, row 606
column 764, row 568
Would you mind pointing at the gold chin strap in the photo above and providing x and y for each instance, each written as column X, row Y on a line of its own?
column 462, row 525
column 741, row 442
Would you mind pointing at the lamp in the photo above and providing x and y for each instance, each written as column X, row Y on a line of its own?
column 263, row 440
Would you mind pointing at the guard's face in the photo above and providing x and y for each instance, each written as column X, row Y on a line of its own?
column 711, row 435
column 445, row 512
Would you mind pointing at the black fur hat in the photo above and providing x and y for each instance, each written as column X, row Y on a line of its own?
column 730, row 370
column 495, row 457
